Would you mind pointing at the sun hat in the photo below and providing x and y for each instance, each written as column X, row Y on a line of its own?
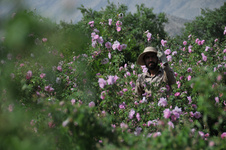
column 140, row 59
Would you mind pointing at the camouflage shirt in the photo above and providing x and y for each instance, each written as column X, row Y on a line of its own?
column 164, row 74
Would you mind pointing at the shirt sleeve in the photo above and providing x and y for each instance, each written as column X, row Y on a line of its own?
column 139, row 89
column 170, row 75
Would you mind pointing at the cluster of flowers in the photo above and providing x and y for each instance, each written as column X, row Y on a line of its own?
column 199, row 42
column 29, row 75
column 99, row 39
column 118, row 46
column 174, row 114
column 96, row 38
column 168, row 51
column 111, row 80
column 164, row 43
column 118, row 26
column 148, row 35
column 91, row 23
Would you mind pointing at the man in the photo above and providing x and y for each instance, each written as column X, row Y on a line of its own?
column 155, row 75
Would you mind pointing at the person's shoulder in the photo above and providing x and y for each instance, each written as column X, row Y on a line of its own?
column 161, row 69
column 141, row 76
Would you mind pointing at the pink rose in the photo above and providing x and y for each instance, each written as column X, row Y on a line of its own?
column 189, row 69
column 42, row 75
column 59, row 68
column 91, row 104
column 44, row 39
column 138, row 116
column 189, row 78
column 108, row 45
column 177, row 94
column 109, row 22
column 167, row 113
column 223, row 135
column 29, row 75
column 118, row 29
column 102, row 82
column 163, row 42
column 103, row 94
column 149, row 36
column 73, row 101
column 167, row 52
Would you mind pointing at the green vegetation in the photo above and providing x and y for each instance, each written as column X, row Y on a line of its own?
column 71, row 86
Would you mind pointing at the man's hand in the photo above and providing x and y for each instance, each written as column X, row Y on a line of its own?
column 163, row 58
column 161, row 55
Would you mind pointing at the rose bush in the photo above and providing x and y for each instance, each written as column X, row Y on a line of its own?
column 88, row 100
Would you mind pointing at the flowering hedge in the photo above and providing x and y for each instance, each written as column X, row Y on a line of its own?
column 88, row 101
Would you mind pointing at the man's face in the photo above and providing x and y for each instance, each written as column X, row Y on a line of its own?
column 151, row 60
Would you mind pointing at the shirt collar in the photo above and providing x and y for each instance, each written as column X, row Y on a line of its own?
column 147, row 74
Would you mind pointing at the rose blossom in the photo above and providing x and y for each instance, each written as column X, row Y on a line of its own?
column 108, row 44
column 177, row 112
column 162, row 102
column 189, row 69
column 44, row 39
column 111, row 80
column 171, row 124
column 204, row 58
column 124, row 46
column 197, row 114
column 169, row 58
column 109, row 22
column 131, row 113
column 189, row 99
column 73, row 101
column 59, row 68
column 103, row 94
column 42, row 75
column 189, row 78
column 138, row 116
column 109, row 55
column 167, row 113
column 163, row 42
column 102, row 82
column 149, row 36
column 177, row 94
column 223, row 135
column 118, row 29
column 167, row 52
column 49, row 88
column 91, row 104
column 29, row 75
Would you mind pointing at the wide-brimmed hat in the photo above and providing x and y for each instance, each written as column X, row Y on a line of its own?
column 140, row 59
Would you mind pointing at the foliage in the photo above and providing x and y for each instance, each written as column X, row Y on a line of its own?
column 132, row 26
column 17, row 134
column 58, row 92
column 210, row 25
